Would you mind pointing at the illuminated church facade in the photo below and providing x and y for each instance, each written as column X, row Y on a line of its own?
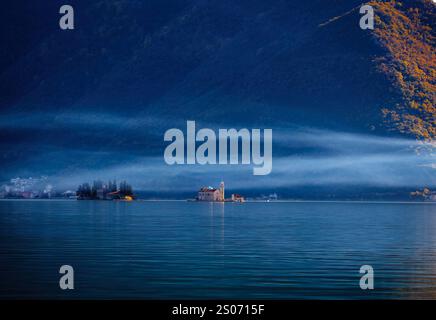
column 212, row 194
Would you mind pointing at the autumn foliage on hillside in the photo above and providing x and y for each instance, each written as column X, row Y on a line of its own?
column 405, row 30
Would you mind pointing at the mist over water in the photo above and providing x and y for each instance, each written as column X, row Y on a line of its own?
column 302, row 156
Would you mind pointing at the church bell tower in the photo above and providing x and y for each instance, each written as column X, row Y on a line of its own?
column 222, row 191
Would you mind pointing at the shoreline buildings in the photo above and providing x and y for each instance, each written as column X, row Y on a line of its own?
column 425, row 195
column 27, row 188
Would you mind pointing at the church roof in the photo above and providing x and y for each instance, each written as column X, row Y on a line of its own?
column 207, row 189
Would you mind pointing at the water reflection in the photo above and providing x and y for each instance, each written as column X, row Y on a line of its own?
column 217, row 250
column 217, row 222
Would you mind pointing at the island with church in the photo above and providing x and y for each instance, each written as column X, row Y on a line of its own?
column 211, row 194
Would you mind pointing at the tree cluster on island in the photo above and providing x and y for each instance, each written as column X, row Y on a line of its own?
column 105, row 191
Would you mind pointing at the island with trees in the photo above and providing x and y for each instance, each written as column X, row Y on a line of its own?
column 105, row 191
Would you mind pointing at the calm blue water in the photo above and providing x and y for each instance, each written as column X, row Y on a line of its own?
column 187, row 250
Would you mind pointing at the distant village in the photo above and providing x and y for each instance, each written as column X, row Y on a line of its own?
column 27, row 188
column 426, row 194
column 40, row 188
